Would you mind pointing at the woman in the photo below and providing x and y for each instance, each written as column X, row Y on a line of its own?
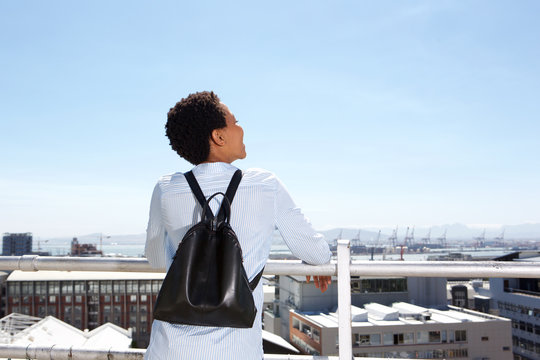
column 203, row 131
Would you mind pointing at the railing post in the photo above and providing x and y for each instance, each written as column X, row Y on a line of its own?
column 344, row 299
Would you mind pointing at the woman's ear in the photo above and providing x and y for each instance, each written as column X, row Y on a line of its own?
column 217, row 137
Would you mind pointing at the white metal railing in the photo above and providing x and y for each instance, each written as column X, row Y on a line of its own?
column 72, row 353
column 468, row 269
column 343, row 269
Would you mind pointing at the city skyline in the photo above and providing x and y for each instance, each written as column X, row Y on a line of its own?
column 373, row 114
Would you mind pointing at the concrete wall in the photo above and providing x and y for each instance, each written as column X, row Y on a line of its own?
column 427, row 292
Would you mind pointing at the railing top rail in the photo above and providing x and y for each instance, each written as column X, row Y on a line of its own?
column 468, row 269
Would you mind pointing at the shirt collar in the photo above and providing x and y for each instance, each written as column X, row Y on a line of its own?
column 213, row 168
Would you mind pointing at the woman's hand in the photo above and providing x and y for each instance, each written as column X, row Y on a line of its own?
column 321, row 282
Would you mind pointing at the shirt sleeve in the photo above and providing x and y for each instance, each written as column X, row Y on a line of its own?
column 297, row 231
column 154, row 249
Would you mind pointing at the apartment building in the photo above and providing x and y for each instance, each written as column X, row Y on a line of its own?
column 406, row 331
column 87, row 299
column 293, row 292
column 519, row 300
column 16, row 244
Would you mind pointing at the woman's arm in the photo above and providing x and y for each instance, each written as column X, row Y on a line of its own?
column 154, row 249
column 297, row 231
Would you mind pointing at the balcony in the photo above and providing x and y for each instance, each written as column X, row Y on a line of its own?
column 342, row 268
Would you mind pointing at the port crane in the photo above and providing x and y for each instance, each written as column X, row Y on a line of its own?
column 393, row 238
column 409, row 239
column 427, row 238
column 442, row 239
column 480, row 239
column 376, row 244
column 356, row 240
column 500, row 238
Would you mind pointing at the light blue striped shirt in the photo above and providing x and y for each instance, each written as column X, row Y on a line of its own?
column 261, row 204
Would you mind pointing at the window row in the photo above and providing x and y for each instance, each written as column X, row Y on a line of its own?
column 525, row 344
column 526, row 326
column 519, row 309
column 422, row 337
column 52, row 299
column 16, row 288
column 425, row 354
column 378, row 285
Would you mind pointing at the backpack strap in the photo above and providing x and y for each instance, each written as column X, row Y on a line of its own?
column 253, row 283
column 196, row 189
column 225, row 211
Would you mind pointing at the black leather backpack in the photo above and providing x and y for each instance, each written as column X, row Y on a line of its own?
column 207, row 284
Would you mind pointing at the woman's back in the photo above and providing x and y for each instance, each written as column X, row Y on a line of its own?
column 261, row 204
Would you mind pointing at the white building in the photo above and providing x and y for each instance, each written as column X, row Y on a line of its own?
column 406, row 331
column 294, row 293
column 19, row 329
column 519, row 300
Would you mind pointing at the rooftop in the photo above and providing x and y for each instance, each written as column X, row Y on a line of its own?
column 409, row 314
column 18, row 329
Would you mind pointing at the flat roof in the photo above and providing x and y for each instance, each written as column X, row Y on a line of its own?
column 44, row 275
column 449, row 316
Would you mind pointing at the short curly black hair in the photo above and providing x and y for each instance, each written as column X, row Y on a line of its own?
column 190, row 124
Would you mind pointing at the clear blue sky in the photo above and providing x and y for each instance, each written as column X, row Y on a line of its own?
column 372, row 113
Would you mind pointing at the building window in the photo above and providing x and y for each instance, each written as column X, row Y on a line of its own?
column 78, row 299
column 117, row 298
column 106, row 287
column 40, row 288
column 461, row 335
column 119, row 287
column 131, row 286
column 41, row 311
column 296, row 324
column 106, row 313
column 144, row 298
column 133, row 298
column 54, row 287
column 52, row 299
column 93, row 287
column 143, row 309
column 375, row 339
column 485, row 338
column 316, row 335
column 67, row 287
column 117, row 315
column 408, row 338
column 67, row 299
column 388, row 339
column 515, row 324
column 26, row 288
column 145, row 287
column 79, row 287
column 67, row 314
column 434, row 336
column 107, row 298
column 156, row 285
column 51, row 310
column 14, row 289
column 361, row 339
